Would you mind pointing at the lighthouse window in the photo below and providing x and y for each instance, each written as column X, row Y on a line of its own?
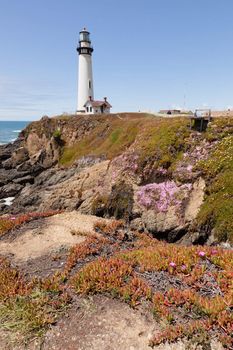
column 84, row 36
column 89, row 84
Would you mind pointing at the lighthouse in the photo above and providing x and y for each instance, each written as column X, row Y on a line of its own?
column 85, row 77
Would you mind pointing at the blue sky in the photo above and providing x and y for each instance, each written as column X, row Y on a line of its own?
column 149, row 54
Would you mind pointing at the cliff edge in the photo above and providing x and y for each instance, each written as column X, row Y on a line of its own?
column 155, row 173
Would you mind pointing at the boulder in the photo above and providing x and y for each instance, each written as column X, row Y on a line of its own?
column 24, row 180
column 10, row 190
column 19, row 156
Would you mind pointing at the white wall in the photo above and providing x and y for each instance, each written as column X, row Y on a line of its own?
column 84, row 76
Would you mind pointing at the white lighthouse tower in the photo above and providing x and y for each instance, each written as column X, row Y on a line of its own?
column 85, row 78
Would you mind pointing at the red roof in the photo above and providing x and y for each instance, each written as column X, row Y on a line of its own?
column 98, row 103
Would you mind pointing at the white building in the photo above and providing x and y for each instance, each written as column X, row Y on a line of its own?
column 85, row 77
column 97, row 107
column 86, row 103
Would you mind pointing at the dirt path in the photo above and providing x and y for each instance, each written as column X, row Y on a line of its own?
column 47, row 235
column 102, row 323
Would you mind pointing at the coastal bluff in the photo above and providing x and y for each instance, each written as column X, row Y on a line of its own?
column 156, row 173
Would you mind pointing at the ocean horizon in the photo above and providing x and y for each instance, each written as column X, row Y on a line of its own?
column 9, row 130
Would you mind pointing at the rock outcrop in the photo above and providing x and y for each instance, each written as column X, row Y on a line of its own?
column 140, row 168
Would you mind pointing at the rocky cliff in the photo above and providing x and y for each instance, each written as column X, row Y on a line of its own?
column 155, row 173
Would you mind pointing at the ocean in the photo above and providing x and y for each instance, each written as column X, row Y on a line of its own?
column 9, row 131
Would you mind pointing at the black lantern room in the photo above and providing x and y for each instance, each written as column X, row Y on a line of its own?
column 84, row 43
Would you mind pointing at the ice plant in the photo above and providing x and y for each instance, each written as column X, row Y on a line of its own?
column 172, row 264
column 160, row 196
column 201, row 254
column 214, row 252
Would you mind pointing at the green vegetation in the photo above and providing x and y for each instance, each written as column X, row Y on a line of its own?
column 107, row 138
column 161, row 144
column 156, row 140
column 217, row 210
column 57, row 134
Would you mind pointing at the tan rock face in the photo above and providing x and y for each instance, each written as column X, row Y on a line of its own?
column 34, row 143
column 160, row 222
column 20, row 155
column 195, row 200
column 36, row 146
column 79, row 191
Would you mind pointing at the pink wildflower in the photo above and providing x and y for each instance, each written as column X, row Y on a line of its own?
column 13, row 218
column 201, row 254
column 172, row 264
column 214, row 252
column 183, row 267
column 189, row 168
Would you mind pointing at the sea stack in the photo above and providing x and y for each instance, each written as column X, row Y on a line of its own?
column 85, row 77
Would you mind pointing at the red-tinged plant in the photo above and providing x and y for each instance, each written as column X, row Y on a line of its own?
column 91, row 246
column 102, row 275
column 225, row 280
column 8, row 223
column 53, row 284
column 174, row 332
column 135, row 290
column 12, row 282
column 226, row 341
column 109, row 227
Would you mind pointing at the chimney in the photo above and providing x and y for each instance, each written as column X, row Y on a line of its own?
column 105, row 99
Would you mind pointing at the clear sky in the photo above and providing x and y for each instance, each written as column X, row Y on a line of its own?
column 148, row 54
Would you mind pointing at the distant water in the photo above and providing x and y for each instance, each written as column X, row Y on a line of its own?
column 9, row 131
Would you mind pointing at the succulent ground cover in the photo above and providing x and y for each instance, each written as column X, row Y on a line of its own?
column 8, row 222
column 188, row 289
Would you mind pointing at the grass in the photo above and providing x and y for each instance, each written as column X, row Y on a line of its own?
column 151, row 137
column 108, row 138
column 217, row 210
column 162, row 141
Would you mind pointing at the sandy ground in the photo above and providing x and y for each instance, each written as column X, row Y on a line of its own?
column 47, row 235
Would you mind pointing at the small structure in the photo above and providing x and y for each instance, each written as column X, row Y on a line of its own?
column 97, row 107
column 170, row 111
column 200, row 119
